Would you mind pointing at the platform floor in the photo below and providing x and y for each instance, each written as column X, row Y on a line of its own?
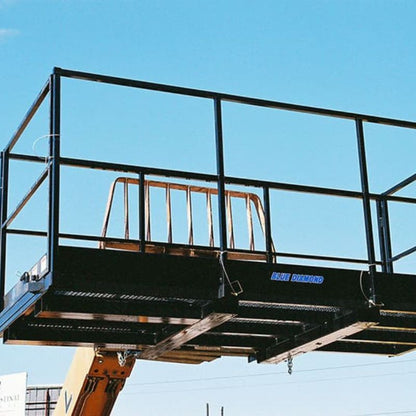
column 168, row 308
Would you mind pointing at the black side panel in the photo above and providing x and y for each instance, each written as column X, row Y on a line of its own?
column 128, row 273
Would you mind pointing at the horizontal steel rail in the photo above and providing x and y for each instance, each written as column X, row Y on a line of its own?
column 229, row 180
column 96, row 238
column 206, row 177
column 86, row 76
column 26, row 158
column 132, row 169
column 32, row 233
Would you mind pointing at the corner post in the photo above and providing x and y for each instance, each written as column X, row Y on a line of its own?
column 221, row 188
column 54, row 168
column 4, row 182
column 267, row 225
column 366, row 207
column 142, row 213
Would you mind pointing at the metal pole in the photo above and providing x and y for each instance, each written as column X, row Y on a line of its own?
column 366, row 206
column 4, row 181
column 54, row 173
column 47, row 403
column 386, row 235
column 207, row 409
column 267, row 225
column 142, row 215
column 221, row 187
column 381, row 236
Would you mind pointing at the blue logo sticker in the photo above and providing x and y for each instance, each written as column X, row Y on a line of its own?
column 297, row 278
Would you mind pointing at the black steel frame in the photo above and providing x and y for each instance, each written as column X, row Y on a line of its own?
column 55, row 161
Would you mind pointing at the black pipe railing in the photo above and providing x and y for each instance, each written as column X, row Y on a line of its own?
column 86, row 76
column 56, row 161
column 206, row 177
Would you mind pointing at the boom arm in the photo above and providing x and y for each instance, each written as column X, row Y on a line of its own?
column 93, row 383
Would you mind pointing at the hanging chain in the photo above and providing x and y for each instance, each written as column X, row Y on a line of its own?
column 123, row 356
column 289, row 364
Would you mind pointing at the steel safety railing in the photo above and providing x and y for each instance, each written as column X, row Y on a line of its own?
column 219, row 181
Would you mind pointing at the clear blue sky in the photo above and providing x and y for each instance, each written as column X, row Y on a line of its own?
column 349, row 55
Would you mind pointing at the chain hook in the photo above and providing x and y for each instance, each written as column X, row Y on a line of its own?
column 289, row 364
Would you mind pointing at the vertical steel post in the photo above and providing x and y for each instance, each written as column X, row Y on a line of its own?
column 142, row 215
column 54, row 170
column 385, row 237
column 381, row 236
column 221, row 187
column 267, row 225
column 47, row 403
column 366, row 206
column 4, row 181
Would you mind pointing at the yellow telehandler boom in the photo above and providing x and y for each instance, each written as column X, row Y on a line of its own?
column 93, row 382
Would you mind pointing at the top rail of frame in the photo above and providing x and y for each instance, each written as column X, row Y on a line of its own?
column 231, row 98
column 28, row 116
column 401, row 185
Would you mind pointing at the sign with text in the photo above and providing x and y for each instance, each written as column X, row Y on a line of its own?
column 13, row 394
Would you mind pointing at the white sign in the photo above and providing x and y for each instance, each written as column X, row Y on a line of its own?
column 13, row 394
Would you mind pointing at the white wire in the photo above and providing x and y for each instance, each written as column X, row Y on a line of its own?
column 36, row 141
column 370, row 301
column 233, row 292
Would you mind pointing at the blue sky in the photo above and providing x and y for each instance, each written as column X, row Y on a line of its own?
column 349, row 55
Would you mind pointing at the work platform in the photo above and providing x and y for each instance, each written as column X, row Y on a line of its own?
column 190, row 303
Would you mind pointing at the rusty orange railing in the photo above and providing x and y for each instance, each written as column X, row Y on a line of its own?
column 252, row 203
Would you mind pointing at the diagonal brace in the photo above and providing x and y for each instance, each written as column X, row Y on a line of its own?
column 174, row 341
